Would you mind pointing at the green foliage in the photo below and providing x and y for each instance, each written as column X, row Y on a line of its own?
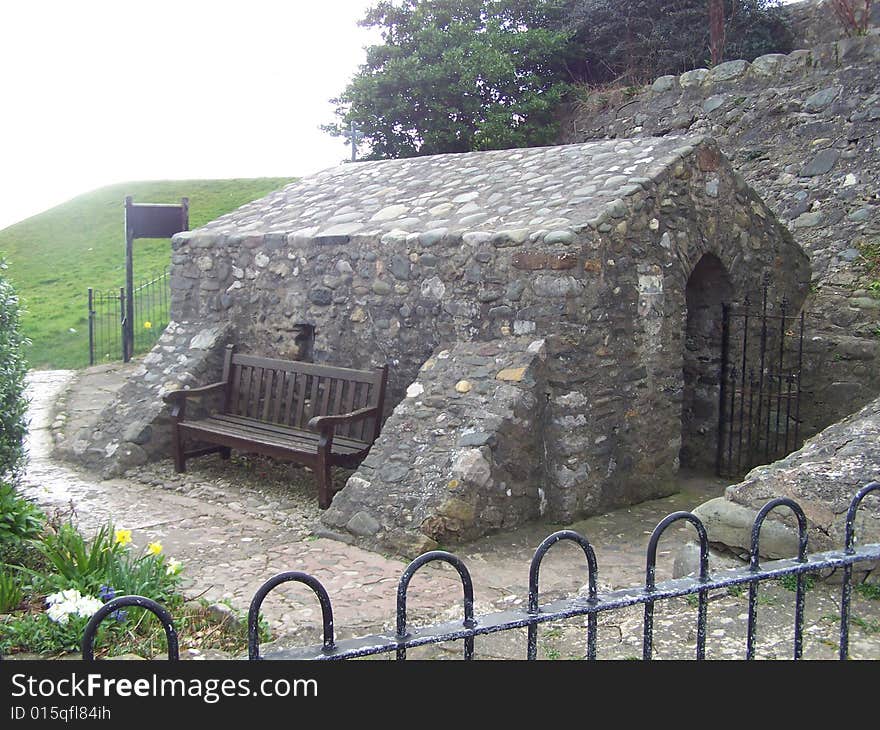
column 77, row 563
column 640, row 40
column 55, row 256
column 20, row 519
column 789, row 582
column 10, row 592
column 36, row 632
column 13, row 369
column 870, row 262
column 871, row 591
column 459, row 75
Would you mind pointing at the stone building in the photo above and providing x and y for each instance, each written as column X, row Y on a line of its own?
column 550, row 316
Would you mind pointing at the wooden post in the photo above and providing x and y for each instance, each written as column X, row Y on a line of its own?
column 128, row 320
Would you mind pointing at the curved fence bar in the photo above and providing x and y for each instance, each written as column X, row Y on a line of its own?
column 754, row 566
column 651, row 585
column 849, row 549
column 467, row 586
column 293, row 576
column 88, row 640
column 534, row 570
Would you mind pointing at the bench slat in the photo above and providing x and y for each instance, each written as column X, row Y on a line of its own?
column 241, row 421
column 310, row 368
column 293, row 440
column 268, row 397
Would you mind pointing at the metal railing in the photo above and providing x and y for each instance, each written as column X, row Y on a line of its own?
column 108, row 316
column 594, row 603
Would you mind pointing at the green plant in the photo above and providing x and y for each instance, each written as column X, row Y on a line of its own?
column 871, row 591
column 20, row 519
column 77, row 563
column 13, row 406
column 871, row 626
column 10, row 593
column 789, row 582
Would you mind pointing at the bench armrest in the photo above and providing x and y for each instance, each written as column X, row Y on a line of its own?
column 324, row 423
column 175, row 396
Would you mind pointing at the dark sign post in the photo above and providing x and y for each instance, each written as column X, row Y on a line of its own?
column 146, row 220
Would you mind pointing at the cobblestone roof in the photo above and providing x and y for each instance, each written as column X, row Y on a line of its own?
column 533, row 193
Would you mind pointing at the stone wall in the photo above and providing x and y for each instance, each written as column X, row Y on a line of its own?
column 802, row 130
column 463, row 455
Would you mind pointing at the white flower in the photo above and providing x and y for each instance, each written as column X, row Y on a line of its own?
column 173, row 567
column 64, row 604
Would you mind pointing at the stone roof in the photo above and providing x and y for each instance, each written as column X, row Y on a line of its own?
column 525, row 193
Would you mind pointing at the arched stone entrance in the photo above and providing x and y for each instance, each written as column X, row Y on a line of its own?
column 708, row 288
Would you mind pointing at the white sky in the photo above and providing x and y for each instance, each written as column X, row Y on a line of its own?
column 227, row 89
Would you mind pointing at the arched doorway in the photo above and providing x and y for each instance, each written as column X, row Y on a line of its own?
column 708, row 288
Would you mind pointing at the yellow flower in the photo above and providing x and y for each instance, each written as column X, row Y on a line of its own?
column 154, row 548
column 122, row 537
column 147, row 325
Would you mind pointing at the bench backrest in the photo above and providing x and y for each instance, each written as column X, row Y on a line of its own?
column 290, row 392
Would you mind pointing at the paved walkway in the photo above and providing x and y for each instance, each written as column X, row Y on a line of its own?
column 233, row 526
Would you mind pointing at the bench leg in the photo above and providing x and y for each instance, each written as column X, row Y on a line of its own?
column 325, row 483
column 177, row 451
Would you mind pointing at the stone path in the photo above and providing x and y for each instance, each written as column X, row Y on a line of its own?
column 235, row 524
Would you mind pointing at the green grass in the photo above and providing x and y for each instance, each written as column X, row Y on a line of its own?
column 55, row 256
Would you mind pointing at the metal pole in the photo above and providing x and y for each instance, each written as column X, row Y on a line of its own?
column 128, row 319
column 353, row 142
column 91, row 328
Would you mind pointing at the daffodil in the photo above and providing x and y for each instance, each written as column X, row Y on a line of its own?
column 173, row 567
column 154, row 548
column 122, row 537
column 147, row 325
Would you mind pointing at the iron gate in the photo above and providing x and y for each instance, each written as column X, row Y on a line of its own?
column 760, row 385
column 107, row 318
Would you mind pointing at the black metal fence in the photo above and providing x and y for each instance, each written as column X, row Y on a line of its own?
column 107, row 318
column 591, row 605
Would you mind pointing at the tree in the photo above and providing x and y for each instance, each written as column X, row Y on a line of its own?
column 13, row 406
column 459, row 75
column 638, row 40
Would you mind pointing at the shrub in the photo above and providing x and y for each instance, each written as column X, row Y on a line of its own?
column 13, row 406
column 638, row 40
column 854, row 15
column 19, row 518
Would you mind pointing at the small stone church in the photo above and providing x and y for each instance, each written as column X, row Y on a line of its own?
column 551, row 318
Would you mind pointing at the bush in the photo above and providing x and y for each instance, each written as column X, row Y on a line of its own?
column 13, row 406
column 19, row 518
column 639, row 40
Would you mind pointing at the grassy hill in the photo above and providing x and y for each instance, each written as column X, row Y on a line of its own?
column 55, row 256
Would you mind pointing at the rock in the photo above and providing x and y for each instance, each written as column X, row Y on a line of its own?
column 821, row 163
column 223, row 614
column 363, row 524
column 729, row 70
column 731, row 524
column 817, row 101
column 822, row 476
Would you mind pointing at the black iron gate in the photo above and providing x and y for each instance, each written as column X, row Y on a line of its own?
column 759, row 396
column 107, row 318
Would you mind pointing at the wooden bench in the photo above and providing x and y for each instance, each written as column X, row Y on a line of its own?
column 316, row 415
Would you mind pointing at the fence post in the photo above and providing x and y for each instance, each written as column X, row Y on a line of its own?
column 91, row 328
